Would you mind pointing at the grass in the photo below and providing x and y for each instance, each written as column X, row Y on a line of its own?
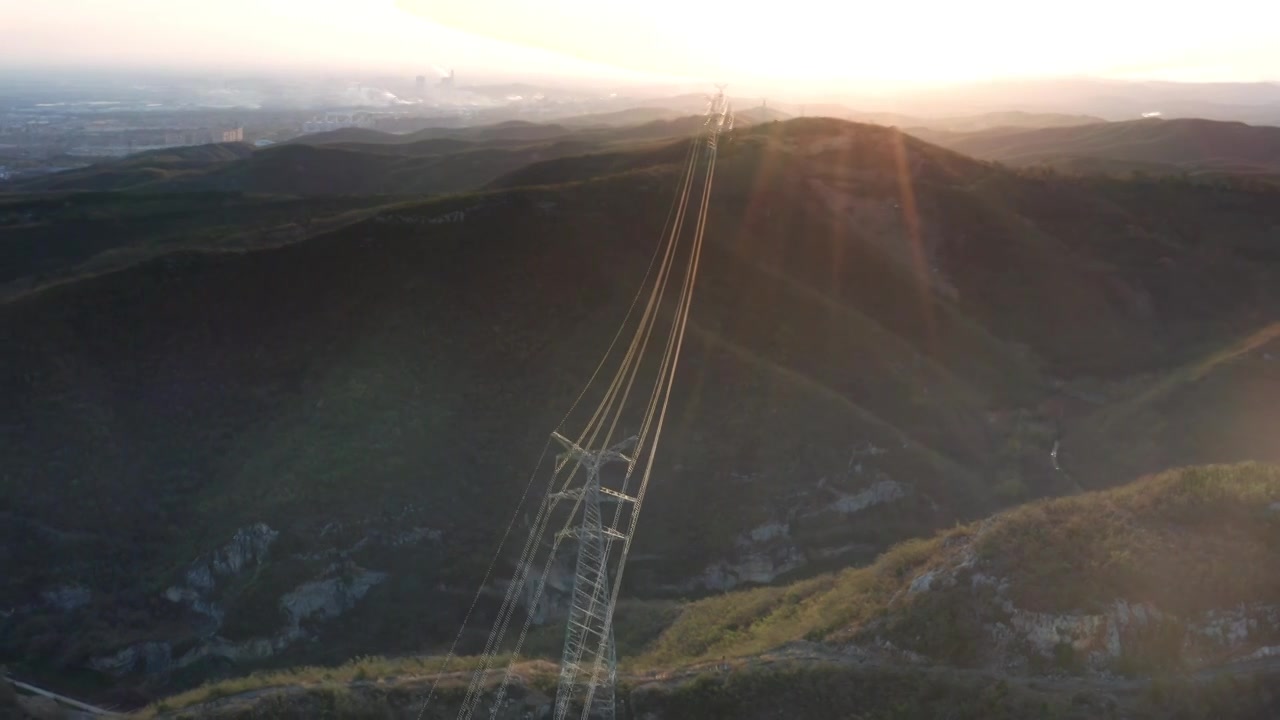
column 1187, row 374
column 739, row 624
column 1187, row 540
column 374, row 670
column 816, row 690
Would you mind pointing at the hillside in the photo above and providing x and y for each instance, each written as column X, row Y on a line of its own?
column 312, row 170
column 629, row 116
column 1152, row 575
column 1070, row 605
column 52, row 237
column 151, row 167
column 354, row 161
column 934, row 123
column 218, row 460
column 634, row 124
column 979, row 122
column 1185, row 145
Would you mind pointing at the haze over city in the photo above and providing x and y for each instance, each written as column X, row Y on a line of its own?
column 810, row 45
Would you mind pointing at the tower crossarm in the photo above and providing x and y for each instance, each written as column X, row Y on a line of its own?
column 591, row 459
column 577, row 533
column 610, row 495
column 614, row 494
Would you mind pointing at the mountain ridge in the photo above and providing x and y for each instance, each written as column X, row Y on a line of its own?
column 1176, row 145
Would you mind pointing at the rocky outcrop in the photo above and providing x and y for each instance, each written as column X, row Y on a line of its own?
column 879, row 493
column 370, row 539
column 329, row 597
column 148, row 658
column 248, row 548
column 67, row 597
column 760, row 555
column 766, row 552
column 325, row 598
column 1018, row 638
column 338, row 588
column 752, row 568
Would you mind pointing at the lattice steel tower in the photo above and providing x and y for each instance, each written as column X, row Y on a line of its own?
column 589, row 660
column 588, row 667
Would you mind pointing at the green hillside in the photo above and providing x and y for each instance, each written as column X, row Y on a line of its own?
column 1187, row 547
column 1185, row 542
column 53, row 237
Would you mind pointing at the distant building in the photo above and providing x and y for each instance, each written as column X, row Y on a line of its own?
column 334, row 121
column 420, row 83
column 447, row 81
column 115, row 142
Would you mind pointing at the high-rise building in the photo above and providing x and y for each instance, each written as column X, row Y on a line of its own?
column 447, row 81
column 420, row 83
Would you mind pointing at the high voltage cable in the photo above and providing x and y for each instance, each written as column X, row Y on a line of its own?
column 598, row 611
column 542, row 457
column 546, row 506
column 506, row 613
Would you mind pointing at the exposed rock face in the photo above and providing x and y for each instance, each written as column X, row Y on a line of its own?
column 338, row 588
column 761, row 555
column 766, row 552
column 1017, row 636
column 67, row 597
column 248, row 548
column 879, row 493
column 325, row 598
column 752, row 568
column 923, row 582
column 329, row 598
column 151, row 658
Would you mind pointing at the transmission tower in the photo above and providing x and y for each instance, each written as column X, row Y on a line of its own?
column 588, row 665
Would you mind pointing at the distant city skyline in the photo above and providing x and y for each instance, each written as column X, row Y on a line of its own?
column 805, row 45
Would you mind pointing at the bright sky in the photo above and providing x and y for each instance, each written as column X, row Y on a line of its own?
column 807, row 41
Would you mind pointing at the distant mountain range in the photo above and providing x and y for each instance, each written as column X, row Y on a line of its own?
column 1154, row 145
column 355, row 161
column 1115, row 100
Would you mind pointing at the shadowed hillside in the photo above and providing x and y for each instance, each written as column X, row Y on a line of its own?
column 51, row 237
column 1182, row 546
column 152, row 167
column 888, row 338
column 1141, row 602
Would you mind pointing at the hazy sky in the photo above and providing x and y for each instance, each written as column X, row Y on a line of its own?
column 809, row 42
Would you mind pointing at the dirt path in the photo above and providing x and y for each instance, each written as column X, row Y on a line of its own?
column 1119, row 688
column 85, row 709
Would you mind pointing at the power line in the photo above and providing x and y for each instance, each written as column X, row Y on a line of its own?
column 588, row 667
